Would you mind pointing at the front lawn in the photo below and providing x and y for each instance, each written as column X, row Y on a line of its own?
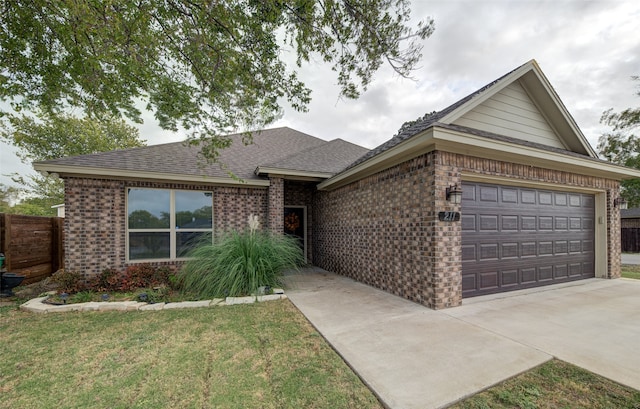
column 555, row 385
column 246, row 356
column 262, row 355
column 631, row 271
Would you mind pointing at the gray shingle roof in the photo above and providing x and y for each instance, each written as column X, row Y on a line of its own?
column 331, row 157
column 271, row 146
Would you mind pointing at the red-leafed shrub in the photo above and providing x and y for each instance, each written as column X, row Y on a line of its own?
column 144, row 276
column 108, row 280
column 69, row 282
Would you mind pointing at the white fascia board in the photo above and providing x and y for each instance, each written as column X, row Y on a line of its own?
column 292, row 174
column 104, row 173
column 472, row 145
column 447, row 140
column 564, row 112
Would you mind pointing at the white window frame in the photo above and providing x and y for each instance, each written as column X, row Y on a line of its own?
column 173, row 232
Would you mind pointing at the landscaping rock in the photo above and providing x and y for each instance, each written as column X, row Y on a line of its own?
column 35, row 305
column 112, row 306
column 64, row 308
column 240, row 300
column 133, row 305
column 89, row 306
column 152, row 307
column 38, row 306
column 187, row 304
column 270, row 297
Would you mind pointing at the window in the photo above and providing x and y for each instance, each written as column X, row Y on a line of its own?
column 166, row 224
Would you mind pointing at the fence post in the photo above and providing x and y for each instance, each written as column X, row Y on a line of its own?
column 57, row 244
column 5, row 231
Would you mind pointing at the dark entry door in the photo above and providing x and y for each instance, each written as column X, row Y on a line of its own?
column 515, row 238
column 294, row 225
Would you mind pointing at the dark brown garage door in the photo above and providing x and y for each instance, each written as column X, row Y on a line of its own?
column 514, row 238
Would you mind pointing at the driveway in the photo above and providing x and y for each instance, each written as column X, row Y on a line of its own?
column 630, row 258
column 414, row 357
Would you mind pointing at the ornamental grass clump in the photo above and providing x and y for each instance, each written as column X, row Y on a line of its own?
column 239, row 263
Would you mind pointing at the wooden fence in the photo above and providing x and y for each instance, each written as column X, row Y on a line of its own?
column 630, row 239
column 32, row 245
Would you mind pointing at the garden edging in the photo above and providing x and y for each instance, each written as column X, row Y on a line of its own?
column 38, row 305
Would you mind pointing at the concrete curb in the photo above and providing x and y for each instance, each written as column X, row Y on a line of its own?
column 37, row 305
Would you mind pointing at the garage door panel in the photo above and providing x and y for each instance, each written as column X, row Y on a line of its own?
column 510, row 278
column 510, row 250
column 528, row 275
column 468, row 222
column 469, row 252
column 489, row 280
column 489, row 194
column 561, row 271
column 469, row 285
column 516, row 238
column 545, row 273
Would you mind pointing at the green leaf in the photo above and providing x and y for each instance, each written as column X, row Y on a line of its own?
column 209, row 67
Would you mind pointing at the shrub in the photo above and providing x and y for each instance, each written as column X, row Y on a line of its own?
column 138, row 276
column 239, row 263
column 145, row 276
column 107, row 281
column 69, row 282
column 82, row 296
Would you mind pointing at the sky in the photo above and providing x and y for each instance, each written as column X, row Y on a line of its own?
column 589, row 50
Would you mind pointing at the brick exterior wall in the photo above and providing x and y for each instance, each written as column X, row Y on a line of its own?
column 302, row 194
column 383, row 230
column 95, row 222
column 630, row 223
column 614, row 244
column 276, row 205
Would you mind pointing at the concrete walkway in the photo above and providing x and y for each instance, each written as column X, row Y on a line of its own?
column 414, row 357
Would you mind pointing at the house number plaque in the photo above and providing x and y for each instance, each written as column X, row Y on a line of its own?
column 449, row 216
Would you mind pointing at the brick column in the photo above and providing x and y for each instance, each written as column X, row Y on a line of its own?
column 276, row 205
column 445, row 278
column 614, row 245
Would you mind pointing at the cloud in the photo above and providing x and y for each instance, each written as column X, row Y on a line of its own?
column 588, row 50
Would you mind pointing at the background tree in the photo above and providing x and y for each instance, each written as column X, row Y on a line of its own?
column 211, row 67
column 8, row 196
column 622, row 146
column 55, row 136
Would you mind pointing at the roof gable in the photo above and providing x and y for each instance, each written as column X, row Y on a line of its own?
column 538, row 106
column 522, row 105
column 511, row 112
column 518, row 118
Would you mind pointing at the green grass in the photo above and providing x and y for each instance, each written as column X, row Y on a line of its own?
column 555, row 385
column 246, row 356
column 631, row 271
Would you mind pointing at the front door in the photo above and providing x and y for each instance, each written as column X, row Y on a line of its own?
column 295, row 225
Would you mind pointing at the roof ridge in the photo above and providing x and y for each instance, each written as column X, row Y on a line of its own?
column 309, row 150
